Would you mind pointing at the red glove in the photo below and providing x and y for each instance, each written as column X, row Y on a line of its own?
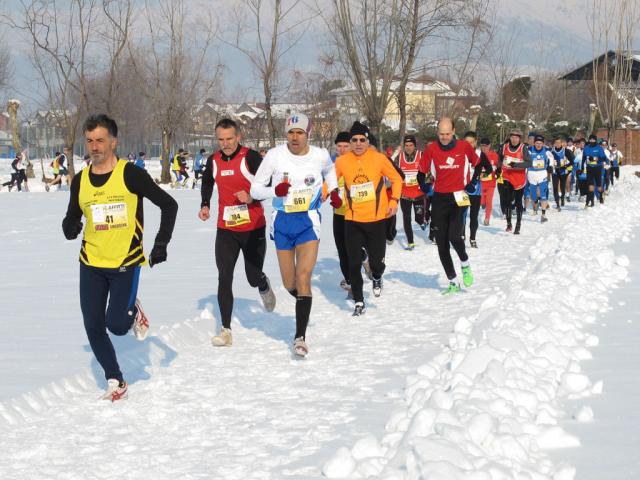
column 336, row 201
column 282, row 189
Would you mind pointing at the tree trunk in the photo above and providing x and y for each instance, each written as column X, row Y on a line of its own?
column 402, row 108
column 270, row 125
column 167, row 137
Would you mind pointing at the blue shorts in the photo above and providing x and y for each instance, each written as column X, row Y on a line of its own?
column 526, row 190
column 544, row 191
column 291, row 229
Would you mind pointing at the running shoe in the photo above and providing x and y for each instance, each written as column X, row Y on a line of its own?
column 358, row 310
column 543, row 219
column 300, row 347
column 344, row 285
column 508, row 229
column 268, row 297
column 486, row 222
column 452, row 288
column 517, row 230
column 390, row 242
column 558, row 208
column 411, row 246
column 377, row 287
column 467, row 276
column 140, row 323
column 116, row 390
column 423, row 226
column 224, row 339
column 473, row 244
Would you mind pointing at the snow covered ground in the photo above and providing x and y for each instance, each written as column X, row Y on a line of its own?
column 494, row 383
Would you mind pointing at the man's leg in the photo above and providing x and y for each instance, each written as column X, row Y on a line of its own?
column 376, row 246
column 440, row 219
column 488, row 192
column 94, row 290
column 405, row 206
column 338, row 238
column 354, row 238
column 254, row 249
column 474, row 211
column 306, row 257
column 227, row 249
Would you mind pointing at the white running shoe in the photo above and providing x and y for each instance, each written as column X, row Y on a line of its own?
column 268, row 297
column 358, row 310
column 300, row 347
column 116, row 390
column 141, row 323
column 377, row 287
column 224, row 339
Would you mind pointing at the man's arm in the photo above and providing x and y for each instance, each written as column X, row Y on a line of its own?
column 72, row 224
column 207, row 183
column 139, row 182
column 260, row 186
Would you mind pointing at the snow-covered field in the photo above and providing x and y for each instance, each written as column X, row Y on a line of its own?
column 497, row 382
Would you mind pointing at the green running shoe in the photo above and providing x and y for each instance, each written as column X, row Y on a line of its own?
column 452, row 288
column 467, row 276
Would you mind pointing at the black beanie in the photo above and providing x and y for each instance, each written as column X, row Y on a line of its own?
column 593, row 137
column 410, row 139
column 359, row 129
column 342, row 137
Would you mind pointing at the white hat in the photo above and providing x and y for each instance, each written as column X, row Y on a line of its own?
column 297, row 120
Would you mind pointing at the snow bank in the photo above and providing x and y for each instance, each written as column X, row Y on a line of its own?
column 490, row 405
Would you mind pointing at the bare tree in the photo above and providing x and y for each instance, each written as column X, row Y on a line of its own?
column 613, row 26
column 5, row 67
column 368, row 38
column 59, row 47
column 175, row 69
column 264, row 31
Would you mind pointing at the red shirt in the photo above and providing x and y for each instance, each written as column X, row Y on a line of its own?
column 231, row 177
column 410, row 187
column 490, row 180
column 451, row 169
column 517, row 177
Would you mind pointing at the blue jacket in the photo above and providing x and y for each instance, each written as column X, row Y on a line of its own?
column 199, row 162
column 537, row 156
column 139, row 163
column 595, row 155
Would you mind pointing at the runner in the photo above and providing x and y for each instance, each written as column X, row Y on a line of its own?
column 198, row 165
column 538, row 175
column 176, row 167
column 514, row 160
column 342, row 147
column 616, row 160
column 449, row 161
column 488, row 180
column 562, row 160
column 474, row 191
column 59, row 169
column 241, row 223
column 595, row 158
column 139, row 162
column 571, row 177
column 577, row 165
column 368, row 208
column 109, row 194
column 411, row 198
column 296, row 171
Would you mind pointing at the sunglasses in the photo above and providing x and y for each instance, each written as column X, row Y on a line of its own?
column 359, row 140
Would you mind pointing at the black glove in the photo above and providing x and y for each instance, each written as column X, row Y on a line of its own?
column 470, row 188
column 158, row 254
column 72, row 230
column 425, row 187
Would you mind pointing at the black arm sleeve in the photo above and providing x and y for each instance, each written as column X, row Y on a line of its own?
column 570, row 156
column 253, row 161
column 74, row 214
column 398, row 169
column 139, row 182
column 483, row 164
column 207, row 183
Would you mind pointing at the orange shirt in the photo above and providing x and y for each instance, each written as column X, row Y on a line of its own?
column 364, row 185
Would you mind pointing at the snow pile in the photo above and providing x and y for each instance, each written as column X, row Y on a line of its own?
column 488, row 407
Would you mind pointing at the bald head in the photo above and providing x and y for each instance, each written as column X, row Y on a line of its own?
column 446, row 130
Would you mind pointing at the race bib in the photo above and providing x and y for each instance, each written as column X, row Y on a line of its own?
column 462, row 199
column 298, row 200
column 411, row 179
column 538, row 164
column 236, row 215
column 509, row 160
column 362, row 192
column 109, row 216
